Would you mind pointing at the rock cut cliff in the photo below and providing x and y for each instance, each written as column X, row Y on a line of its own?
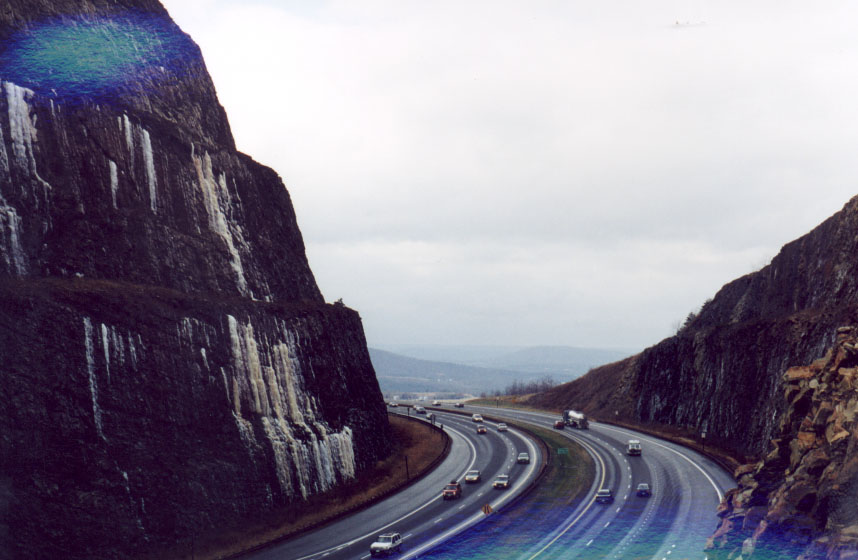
column 168, row 365
column 801, row 500
column 722, row 372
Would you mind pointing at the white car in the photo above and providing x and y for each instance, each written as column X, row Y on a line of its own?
column 472, row 476
column 501, row 482
column 502, row 427
column 436, row 403
column 385, row 544
column 523, row 458
column 477, row 417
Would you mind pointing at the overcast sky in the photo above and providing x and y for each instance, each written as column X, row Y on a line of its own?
column 539, row 173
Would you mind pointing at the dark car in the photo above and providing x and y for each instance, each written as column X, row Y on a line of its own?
column 559, row 424
column 644, row 490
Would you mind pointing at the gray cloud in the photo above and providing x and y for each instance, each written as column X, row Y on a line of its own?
column 567, row 173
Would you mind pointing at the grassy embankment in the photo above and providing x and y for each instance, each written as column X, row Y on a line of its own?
column 416, row 440
column 506, row 401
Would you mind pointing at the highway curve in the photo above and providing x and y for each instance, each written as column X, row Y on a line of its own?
column 673, row 523
column 418, row 512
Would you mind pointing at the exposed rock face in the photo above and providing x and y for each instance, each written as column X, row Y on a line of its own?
column 169, row 366
column 727, row 362
column 801, row 500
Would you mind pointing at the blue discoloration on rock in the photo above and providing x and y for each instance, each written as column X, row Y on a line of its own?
column 92, row 58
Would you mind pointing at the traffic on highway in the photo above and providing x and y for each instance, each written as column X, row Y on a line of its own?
column 649, row 499
column 429, row 511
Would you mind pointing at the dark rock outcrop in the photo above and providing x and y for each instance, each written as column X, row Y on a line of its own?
column 721, row 373
column 168, row 366
column 801, row 500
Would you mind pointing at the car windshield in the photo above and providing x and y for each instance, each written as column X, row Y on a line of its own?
column 385, row 538
column 604, row 493
column 502, row 478
column 643, row 486
column 473, row 473
column 450, row 487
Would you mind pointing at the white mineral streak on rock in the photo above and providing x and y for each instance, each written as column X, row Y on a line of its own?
column 282, row 450
column 129, row 137
column 118, row 346
column 245, row 432
column 22, row 130
column 106, row 345
column 217, row 200
column 10, row 240
column 4, row 157
column 132, row 351
column 93, row 381
column 149, row 160
column 225, row 384
column 267, row 376
column 114, row 181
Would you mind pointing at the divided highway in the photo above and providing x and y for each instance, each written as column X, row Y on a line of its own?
column 418, row 513
column 673, row 523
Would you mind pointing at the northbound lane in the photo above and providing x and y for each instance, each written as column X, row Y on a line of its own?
column 418, row 512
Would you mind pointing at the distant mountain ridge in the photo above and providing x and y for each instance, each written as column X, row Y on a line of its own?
column 478, row 369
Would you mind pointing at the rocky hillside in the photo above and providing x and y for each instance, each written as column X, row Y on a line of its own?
column 722, row 373
column 801, row 500
column 170, row 369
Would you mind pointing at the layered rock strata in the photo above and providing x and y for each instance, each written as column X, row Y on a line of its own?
column 801, row 500
column 169, row 366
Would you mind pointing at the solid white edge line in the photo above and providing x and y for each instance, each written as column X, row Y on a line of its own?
column 698, row 467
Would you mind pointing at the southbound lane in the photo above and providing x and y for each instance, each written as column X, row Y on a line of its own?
column 418, row 512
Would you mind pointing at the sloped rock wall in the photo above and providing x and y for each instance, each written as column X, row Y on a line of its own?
column 801, row 500
column 168, row 366
column 729, row 358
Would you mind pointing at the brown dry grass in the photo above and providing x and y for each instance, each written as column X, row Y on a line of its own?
column 414, row 439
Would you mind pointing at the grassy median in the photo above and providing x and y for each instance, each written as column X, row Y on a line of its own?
column 515, row 529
